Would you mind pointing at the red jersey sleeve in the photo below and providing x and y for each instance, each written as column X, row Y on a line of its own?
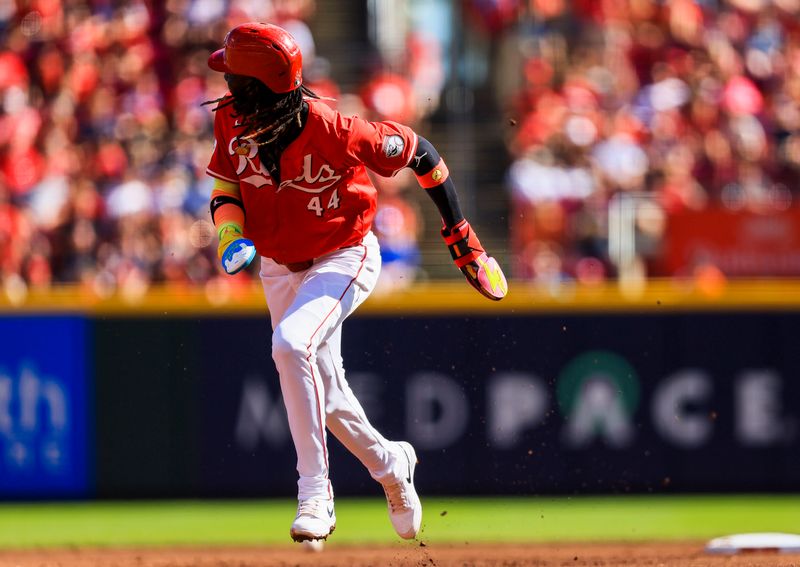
column 384, row 147
column 221, row 164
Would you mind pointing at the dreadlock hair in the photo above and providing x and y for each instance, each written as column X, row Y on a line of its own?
column 264, row 114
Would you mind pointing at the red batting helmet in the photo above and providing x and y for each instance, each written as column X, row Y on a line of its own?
column 264, row 51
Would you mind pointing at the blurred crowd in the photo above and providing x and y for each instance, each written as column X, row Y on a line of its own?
column 676, row 104
column 104, row 144
column 104, row 140
column 657, row 106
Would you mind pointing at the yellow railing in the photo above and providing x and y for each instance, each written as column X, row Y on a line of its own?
column 430, row 298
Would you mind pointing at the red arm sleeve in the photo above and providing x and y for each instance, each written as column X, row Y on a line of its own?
column 221, row 164
column 384, row 147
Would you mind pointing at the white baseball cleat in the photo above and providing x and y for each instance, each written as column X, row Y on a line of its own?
column 315, row 520
column 405, row 508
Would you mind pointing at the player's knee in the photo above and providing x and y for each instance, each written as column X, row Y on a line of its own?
column 287, row 342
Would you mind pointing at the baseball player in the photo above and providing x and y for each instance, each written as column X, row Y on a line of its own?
column 291, row 187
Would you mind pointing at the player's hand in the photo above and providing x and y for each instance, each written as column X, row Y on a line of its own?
column 235, row 252
column 481, row 270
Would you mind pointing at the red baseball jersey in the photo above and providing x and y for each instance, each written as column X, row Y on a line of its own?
column 325, row 200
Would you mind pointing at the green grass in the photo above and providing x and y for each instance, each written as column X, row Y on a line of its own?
column 364, row 520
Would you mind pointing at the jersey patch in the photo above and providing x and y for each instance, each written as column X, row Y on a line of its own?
column 393, row 145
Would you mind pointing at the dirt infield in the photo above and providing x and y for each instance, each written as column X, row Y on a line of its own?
column 416, row 555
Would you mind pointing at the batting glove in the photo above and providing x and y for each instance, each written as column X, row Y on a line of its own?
column 481, row 270
column 235, row 252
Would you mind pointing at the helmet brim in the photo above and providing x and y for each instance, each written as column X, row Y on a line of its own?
column 217, row 61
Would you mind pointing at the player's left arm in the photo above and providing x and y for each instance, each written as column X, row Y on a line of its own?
column 481, row 270
column 387, row 147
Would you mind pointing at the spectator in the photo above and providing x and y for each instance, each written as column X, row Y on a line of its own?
column 683, row 103
column 688, row 105
column 103, row 141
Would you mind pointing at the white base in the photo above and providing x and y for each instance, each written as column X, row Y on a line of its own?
column 766, row 541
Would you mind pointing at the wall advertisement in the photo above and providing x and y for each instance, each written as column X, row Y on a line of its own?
column 548, row 404
column 545, row 404
column 44, row 407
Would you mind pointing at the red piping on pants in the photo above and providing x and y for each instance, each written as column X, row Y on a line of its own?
column 311, row 367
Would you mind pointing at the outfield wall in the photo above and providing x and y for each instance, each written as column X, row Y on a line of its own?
column 668, row 391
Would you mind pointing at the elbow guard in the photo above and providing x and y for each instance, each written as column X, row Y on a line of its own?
column 428, row 165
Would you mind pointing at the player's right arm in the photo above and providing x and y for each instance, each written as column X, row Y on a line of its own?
column 227, row 212
column 227, row 208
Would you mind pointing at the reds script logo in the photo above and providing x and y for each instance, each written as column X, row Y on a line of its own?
column 246, row 151
column 312, row 183
column 307, row 181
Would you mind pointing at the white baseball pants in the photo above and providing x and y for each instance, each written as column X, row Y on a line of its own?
column 307, row 310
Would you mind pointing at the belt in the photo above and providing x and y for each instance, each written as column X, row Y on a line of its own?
column 298, row 266
column 306, row 264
